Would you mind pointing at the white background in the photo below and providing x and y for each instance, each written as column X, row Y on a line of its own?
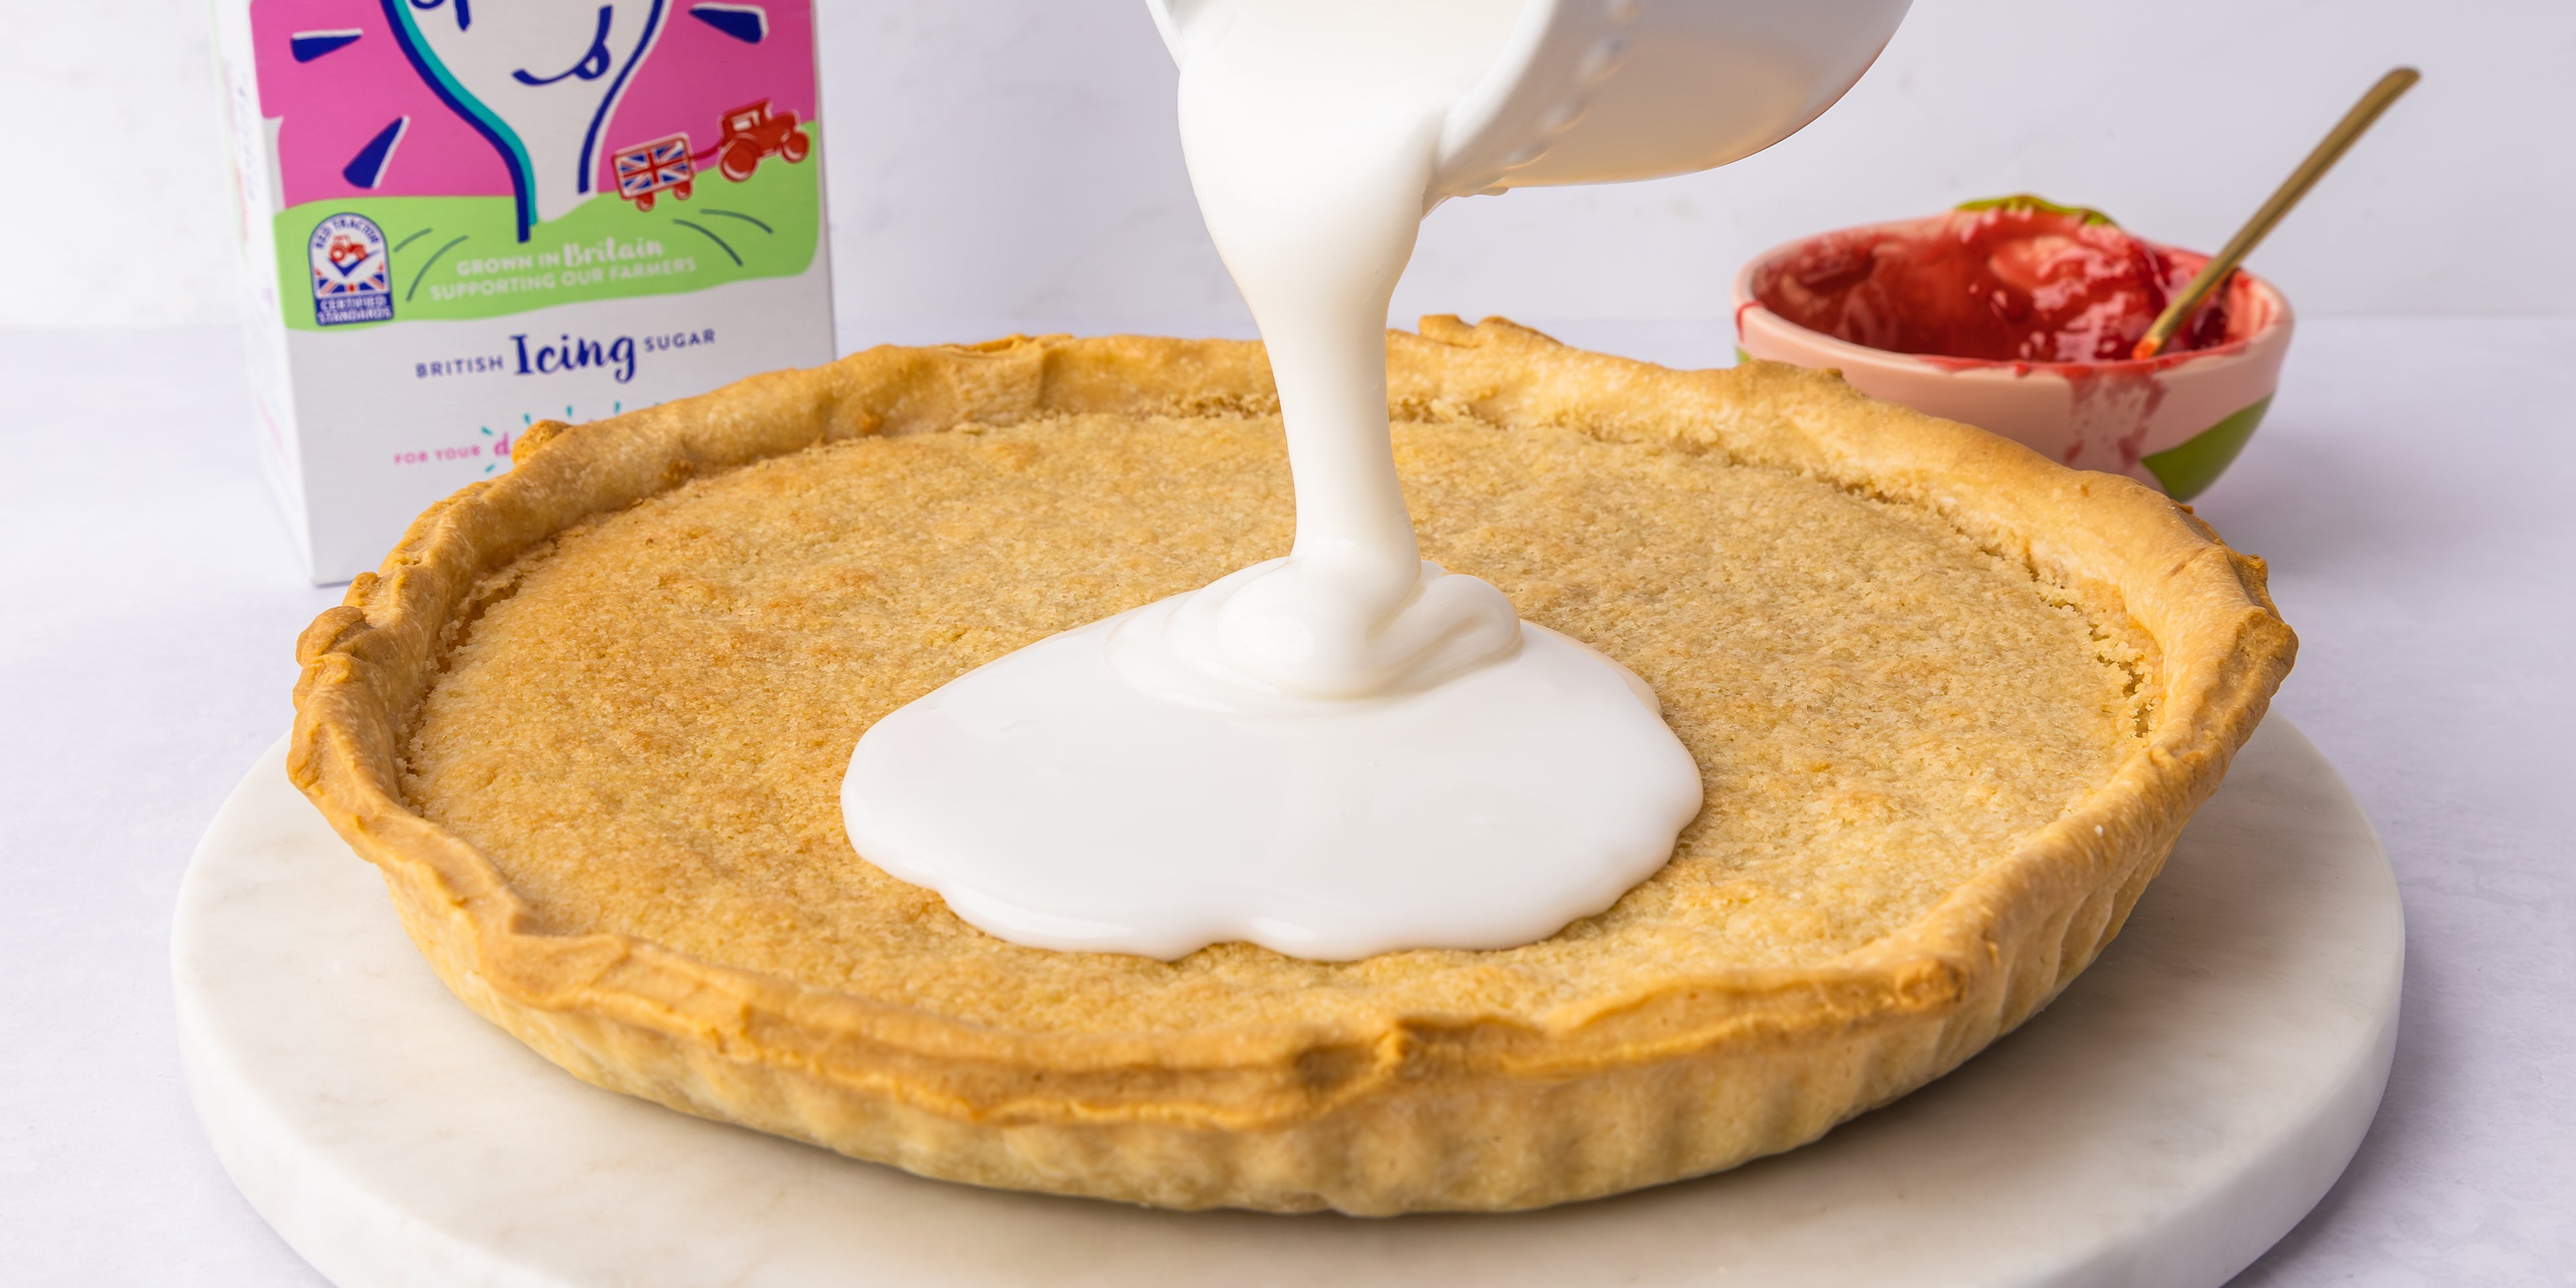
column 1013, row 163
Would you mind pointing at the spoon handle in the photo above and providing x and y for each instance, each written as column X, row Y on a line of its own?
column 2328, row 151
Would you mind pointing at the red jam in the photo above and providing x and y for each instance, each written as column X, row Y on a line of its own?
column 2003, row 284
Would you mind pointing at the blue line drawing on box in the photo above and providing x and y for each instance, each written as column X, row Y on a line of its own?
column 543, row 114
column 367, row 169
column 309, row 45
column 748, row 23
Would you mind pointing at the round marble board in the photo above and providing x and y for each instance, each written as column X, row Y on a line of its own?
column 2178, row 1109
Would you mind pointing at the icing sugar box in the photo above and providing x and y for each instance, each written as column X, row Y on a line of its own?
column 461, row 217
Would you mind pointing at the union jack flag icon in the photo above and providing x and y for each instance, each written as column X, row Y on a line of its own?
column 659, row 166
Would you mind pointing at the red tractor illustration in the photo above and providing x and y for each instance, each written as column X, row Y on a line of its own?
column 346, row 252
column 752, row 132
column 646, row 170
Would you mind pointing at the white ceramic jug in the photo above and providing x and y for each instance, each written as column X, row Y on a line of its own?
column 1604, row 91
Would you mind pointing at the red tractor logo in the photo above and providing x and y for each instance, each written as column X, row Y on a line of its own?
column 346, row 252
column 751, row 132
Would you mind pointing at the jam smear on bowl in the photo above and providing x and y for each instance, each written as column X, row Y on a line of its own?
column 2016, row 280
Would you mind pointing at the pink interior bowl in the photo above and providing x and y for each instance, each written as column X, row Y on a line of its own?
column 2173, row 421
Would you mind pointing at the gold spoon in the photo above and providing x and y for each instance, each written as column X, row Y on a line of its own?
column 2328, row 151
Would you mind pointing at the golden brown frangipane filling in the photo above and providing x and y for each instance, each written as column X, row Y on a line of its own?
column 647, row 726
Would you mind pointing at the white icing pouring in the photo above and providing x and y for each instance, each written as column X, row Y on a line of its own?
column 1344, row 752
column 1312, row 129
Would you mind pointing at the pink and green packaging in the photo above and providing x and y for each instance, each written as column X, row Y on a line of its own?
column 461, row 217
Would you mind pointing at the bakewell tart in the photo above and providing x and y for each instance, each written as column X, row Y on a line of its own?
column 1952, row 704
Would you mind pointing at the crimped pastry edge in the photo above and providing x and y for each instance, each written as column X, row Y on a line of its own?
column 1410, row 1112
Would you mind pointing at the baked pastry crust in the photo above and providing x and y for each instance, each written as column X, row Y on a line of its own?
column 1686, row 1073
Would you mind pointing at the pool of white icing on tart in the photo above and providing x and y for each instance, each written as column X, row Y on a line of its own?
column 1343, row 752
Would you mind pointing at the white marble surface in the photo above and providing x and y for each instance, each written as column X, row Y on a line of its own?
column 2176, row 1110
column 2409, row 489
